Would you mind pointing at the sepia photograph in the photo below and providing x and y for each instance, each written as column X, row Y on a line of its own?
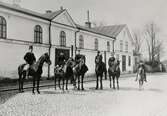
column 83, row 58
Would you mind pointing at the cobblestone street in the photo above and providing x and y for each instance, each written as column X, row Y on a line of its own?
column 128, row 101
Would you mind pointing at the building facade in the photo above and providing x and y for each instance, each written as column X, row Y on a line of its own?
column 52, row 32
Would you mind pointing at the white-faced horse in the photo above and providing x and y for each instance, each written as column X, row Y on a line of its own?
column 63, row 73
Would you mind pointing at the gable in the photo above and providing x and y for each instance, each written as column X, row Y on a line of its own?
column 64, row 18
column 125, row 35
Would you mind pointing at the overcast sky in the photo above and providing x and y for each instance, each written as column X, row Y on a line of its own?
column 134, row 13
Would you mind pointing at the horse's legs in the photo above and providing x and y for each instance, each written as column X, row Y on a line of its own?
column 101, row 81
column 113, row 77
column 63, row 79
column 110, row 80
column 140, row 84
column 20, row 76
column 22, row 80
column 67, row 82
column 97, row 82
column 82, row 77
column 34, row 79
column 38, row 80
column 78, row 82
column 117, row 82
column 59, row 79
column 55, row 80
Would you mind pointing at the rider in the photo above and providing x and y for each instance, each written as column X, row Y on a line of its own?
column 30, row 59
column 111, row 60
column 61, row 59
column 98, row 56
column 78, row 57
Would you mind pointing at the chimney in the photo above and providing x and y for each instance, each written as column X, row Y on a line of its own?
column 88, row 23
column 48, row 11
column 16, row 3
column 61, row 8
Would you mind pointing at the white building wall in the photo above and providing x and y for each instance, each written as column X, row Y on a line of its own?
column 70, row 35
column 20, row 31
column 89, row 48
column 124, row 36
column 12, row 54
column 21, row 27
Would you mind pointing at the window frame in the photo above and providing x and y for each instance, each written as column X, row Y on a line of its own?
column 3, row 28
column 96, row 43
column 38, row 34
column 62, row 38
column 81, row 42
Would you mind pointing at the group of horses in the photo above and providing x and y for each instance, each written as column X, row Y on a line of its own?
column 70, row 71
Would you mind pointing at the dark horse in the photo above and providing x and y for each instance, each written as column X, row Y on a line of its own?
column 35, row 71
column 63, row 73
column 100, row 69
column 114, row 72
column 79, row 71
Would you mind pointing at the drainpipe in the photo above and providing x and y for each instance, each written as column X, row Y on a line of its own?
column 76, row 41
column 50, row 45
column 113, row 49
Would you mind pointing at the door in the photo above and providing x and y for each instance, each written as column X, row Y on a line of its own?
column 123, row 63
column 57, row 53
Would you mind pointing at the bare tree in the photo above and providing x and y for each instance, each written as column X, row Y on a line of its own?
column 153, row 44
column 137, row 40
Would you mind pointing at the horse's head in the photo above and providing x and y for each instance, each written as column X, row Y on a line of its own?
column 47, row 58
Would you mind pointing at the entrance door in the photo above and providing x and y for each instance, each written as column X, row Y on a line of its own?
column 57, row 53
column 123, row 63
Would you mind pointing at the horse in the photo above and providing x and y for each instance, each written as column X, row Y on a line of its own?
column 114, row 72
column 63, row 73
column 79, row 71
column 100, row 68
column 35, row 71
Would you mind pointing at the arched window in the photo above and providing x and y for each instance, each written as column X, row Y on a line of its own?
column 108, row 46
column 96, row 44
column 3, row 27
column 81, row 41
column 62, row 38
column 38, row 34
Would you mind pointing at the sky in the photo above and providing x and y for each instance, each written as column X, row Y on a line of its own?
column 134, row 13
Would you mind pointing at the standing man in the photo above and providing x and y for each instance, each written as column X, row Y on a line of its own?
column 30, row 59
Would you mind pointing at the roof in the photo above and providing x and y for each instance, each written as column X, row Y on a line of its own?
column 46, row 16
column 112, row 30
column 52, row 15
column 93, row 30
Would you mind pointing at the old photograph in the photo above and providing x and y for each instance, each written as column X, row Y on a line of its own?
column 83, row 58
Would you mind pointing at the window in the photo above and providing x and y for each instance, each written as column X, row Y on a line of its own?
column 96, row 44
column 81, row 41
column 38, row 34
column 129, row 61
column 121, row 45
column 108, row 46
column 126, row 46
column 2, row 27
column 62, row 38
